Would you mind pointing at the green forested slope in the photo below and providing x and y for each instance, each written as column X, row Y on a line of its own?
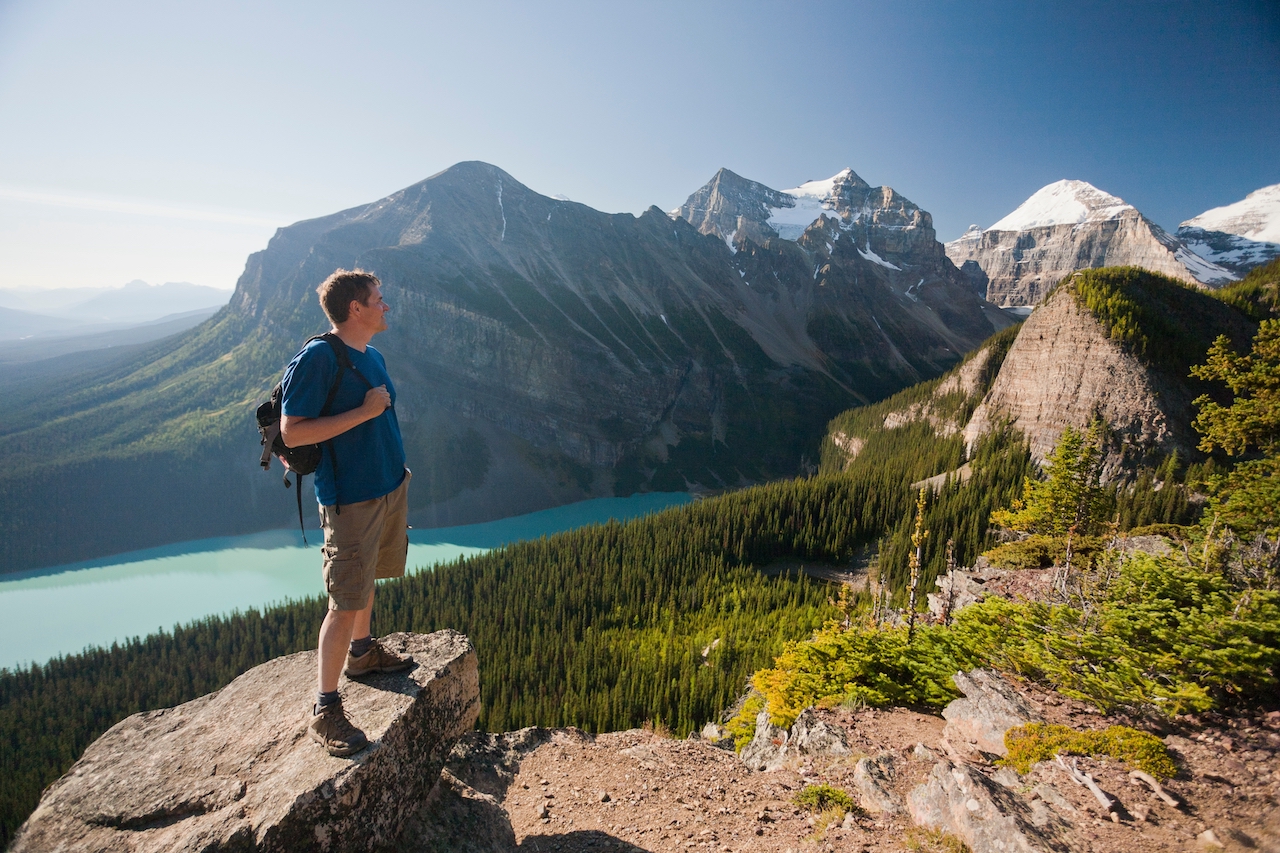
column 1257, row 294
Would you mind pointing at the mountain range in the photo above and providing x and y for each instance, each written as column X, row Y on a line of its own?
column 37, row 325
column 543, row 352
column 1071, row 225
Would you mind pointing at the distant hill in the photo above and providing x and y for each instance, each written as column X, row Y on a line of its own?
column 60, row 340
column 134, row 303
column 95, row 317
column 16, row 324
column 543, row 352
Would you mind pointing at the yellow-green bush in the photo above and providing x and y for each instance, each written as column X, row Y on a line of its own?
column 743, row 725
column 1037, row 742
column 821, row 798
column 1165, row 635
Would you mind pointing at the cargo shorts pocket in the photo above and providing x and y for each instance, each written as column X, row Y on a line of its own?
column 347, row 582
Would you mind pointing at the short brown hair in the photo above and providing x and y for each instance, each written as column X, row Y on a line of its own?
column 338, row 290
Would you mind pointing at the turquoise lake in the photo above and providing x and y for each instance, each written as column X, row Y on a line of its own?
column 64, row 609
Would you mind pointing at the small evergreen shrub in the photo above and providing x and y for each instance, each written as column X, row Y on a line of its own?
column 821, row 798
column 1041, row 552
column 1163, row 634
column 1034, row 552
column 1037, row 742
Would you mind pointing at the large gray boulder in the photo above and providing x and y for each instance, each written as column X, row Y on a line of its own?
column 872, row 781
column 236, row 771
column 959, row 799
column 808, row 737
column 990, row 708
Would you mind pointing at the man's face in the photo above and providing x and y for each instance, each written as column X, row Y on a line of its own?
column 372, row 313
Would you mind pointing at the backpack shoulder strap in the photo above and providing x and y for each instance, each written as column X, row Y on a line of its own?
column 344, row 363
column 343, row 355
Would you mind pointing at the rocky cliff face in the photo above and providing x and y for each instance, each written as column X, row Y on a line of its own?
column 1068, row 226
column 543, row 352
column 1064, row 367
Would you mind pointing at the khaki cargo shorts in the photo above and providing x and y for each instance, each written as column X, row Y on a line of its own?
column 364, row 542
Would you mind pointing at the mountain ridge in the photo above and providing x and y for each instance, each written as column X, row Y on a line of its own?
column 1239, row 236
column 544, row 352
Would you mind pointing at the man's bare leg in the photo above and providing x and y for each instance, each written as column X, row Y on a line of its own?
column 336, row 632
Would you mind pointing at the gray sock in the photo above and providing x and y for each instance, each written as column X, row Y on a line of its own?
column 361, row 647
column 324, row 700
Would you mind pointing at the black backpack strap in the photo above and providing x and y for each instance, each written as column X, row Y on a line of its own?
column 298, row 478
column 268, row 440
column 343, row 356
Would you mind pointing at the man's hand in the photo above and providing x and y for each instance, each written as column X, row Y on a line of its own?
column 297, row 431
column 376, row 401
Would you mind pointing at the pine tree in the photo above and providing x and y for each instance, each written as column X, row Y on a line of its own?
column 1070, row 498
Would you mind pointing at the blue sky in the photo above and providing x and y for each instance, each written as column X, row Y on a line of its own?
column 165, row 141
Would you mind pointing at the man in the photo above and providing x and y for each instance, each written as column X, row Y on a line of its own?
column 361, row 485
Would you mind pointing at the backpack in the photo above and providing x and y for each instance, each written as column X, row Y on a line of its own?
column 303, row 459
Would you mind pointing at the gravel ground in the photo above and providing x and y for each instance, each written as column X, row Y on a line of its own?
column 564, row 790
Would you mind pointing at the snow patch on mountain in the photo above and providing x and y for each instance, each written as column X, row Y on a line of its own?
column 1063, row 203
column 812, row 200
column 1204, row 270
column 1229, row 250
column 1255, row 217
column 876, row 259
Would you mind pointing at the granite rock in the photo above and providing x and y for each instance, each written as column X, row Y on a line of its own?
column 959, row 799
column 235, row 770
column 990, row 708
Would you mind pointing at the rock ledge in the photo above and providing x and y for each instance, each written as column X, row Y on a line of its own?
column 235, row 770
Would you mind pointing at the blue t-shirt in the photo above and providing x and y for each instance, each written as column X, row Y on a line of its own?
column 370, row 455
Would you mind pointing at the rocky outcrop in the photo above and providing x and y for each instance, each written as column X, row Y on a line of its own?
column 773, row 747
column 236, row 770
column 958, row 589
column 1069, row 226
column 767, row 747
column 959, row 799
column 1063, row 368
column 990, row 708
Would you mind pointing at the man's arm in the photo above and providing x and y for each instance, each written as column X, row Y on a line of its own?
column 298, row 431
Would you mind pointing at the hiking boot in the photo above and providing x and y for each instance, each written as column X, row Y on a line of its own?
column 377, row 659
column 332, row 730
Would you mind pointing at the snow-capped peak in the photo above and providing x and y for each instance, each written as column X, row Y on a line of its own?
column 821, row 189
column 1063, row 203
column 1256, row 216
